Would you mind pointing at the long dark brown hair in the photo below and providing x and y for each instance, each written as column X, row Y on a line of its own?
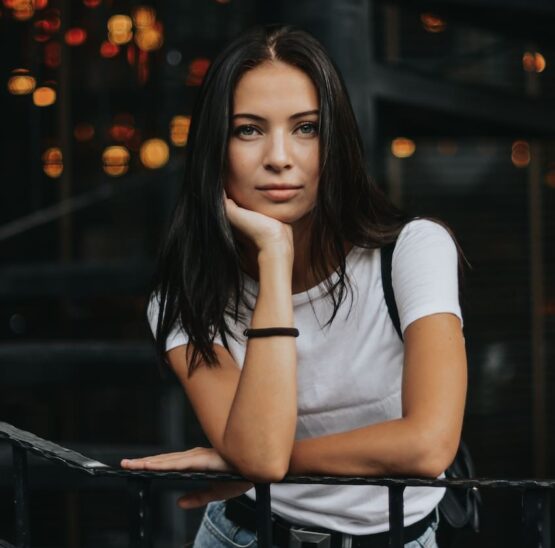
column 199, row 281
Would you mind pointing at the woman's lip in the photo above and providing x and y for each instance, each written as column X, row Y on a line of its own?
column 280, row 194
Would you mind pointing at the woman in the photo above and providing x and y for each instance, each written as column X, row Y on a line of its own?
column 279, row 226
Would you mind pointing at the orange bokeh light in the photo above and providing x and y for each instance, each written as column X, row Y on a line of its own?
column 115, row 160
column 107, row 49
column 533, row 62
column 144, row 16
column 23, row 10
column 21, row 82
column 179, row 130
column 402, row 147
column 154, row 153
column 52, row 162
column 150, row 38
column 44, row 96
column 75, row 36
column 432, row 23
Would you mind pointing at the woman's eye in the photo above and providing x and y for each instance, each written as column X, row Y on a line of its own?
column 245, row 131
column 308, row 128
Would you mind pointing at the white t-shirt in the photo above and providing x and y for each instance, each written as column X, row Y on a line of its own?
column 349, row 373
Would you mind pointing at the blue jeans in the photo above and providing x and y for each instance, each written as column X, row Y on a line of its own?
column 216, row 531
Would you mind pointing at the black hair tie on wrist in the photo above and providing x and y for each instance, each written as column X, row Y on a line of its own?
column 271, row 332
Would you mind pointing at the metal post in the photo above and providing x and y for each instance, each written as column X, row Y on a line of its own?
column 536, row 518
column 263, row 515
column 396, row 515
column 22, row 529
column 140, row 517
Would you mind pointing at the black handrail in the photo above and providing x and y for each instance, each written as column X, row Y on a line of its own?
column 535, row 492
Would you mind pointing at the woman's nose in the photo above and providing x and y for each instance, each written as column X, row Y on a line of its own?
column 278, row 153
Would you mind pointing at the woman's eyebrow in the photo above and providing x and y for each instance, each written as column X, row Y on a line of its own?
column 261, row 119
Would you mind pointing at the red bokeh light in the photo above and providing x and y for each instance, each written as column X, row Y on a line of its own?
column 40, row 4
column 197, row 70
column 75, row 36
column 52, row 55
column 107, row 49
column 92, row 3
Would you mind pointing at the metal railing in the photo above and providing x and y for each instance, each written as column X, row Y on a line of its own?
column 536, row 529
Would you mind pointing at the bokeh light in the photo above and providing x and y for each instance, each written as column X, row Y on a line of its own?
column 40, row 4
column 197, row 70
column 92, row 3
column 21, row 82
column 179, row 130
column 550, row 178
column 115, row 160
column 107, row 49
column 44, row 96
column 401, row 147
column 83, row 132
column 533, row 62
column 143, row 16
column 432, row 23
column 52, row 54
column 122, row 129
column 52, row 162
column 75, row 36
column 154, row 153
column 520, row 155
column 23, row 10
column 150, row 38
column 119, row 29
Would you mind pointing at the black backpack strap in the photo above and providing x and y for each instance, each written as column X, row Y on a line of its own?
column 387, row 259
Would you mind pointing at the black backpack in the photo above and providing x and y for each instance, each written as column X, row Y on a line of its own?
column 459, row 507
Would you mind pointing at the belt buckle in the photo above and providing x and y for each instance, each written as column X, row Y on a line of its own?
column 297, row 538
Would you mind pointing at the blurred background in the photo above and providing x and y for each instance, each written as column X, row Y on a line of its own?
column 455, row 100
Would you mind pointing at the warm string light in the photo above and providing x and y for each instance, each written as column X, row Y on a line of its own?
column 197, row 70
column 119, row 29
column 75, row 36
column 154, row 153
column 21, row 82
column 179, row 130
column 44, row 96
column 432, row 23
column 520, row 154
column 52, row 162
column 115, row 160
column 533, row 62
column 401, row 147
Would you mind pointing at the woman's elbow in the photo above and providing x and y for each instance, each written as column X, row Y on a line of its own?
column 435, row 458
column 263, row 472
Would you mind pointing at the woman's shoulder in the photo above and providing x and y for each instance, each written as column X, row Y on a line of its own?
column 421, row 233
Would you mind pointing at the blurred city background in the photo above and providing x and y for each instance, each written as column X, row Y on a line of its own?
column 455, row 100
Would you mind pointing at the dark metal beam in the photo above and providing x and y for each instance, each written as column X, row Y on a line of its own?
column 512, row 114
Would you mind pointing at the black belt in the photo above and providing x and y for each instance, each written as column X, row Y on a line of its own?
column 285, row 534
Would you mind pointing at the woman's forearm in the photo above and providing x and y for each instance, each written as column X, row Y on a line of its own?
column 260, row 429
column 396, row 447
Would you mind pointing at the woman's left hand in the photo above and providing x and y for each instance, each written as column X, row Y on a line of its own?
column 199, row 459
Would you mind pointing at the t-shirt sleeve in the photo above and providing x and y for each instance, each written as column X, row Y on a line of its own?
column 177, row 336
column 424, row 272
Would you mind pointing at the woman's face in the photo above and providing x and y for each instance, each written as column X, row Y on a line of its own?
column 273, row 150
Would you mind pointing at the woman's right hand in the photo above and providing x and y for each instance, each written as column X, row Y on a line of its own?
column 267, row 234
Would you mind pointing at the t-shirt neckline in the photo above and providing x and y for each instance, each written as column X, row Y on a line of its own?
column 316, row 292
